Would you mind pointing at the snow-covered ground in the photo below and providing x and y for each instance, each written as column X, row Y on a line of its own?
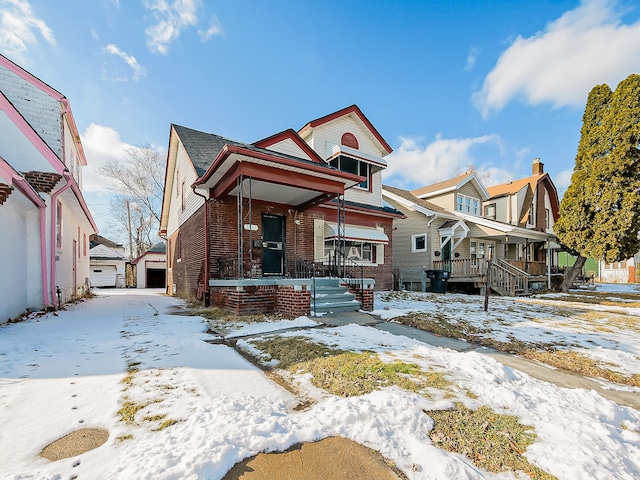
column 609, row 332
column 66, row 371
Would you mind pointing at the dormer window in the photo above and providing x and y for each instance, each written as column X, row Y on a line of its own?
column 351, row 165
column 350, row 140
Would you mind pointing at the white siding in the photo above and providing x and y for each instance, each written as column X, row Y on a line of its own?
column 150, row 260
column 21, row 275
column 37, row 107
column 327, row 135
column 17, row 150
column 184, row 172
column 289, row 147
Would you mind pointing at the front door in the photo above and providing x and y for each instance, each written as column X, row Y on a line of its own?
column 273, row 244
column 446, row 255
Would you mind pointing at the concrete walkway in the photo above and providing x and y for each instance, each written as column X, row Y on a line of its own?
column 559, row 377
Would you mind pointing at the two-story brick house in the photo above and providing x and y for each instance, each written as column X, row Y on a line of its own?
column 45, row 220
column 249, row 224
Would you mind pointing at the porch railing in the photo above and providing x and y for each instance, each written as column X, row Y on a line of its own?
column 298, row 267
column 532, row 268
column 463, row 267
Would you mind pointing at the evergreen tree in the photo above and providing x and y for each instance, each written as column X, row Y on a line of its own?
column 600, row 211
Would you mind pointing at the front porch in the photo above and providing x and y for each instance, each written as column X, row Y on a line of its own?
column 507, row 277
column 291, row 296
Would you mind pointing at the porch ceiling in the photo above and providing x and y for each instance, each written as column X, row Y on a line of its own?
column 297, row 184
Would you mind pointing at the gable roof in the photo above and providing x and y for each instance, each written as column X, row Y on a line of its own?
column 102, row 252
column 511, row 188
column 204, row 148
column 53, row 93
column 293, row 136
column 514, row 186
column 450, row 185
column 351, row 110
column 407, row 195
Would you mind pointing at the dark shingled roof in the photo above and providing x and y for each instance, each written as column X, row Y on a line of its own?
column 203, row 148
column 159, row 247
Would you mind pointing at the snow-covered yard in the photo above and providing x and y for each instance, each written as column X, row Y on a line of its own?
column 202, row 407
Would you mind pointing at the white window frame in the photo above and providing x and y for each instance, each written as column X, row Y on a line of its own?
column 466, row 204
column 414, row 238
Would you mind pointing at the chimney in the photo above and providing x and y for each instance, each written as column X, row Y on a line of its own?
column 538, row 167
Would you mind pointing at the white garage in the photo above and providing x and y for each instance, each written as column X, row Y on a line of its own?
column 107, row 268
column 104, row 275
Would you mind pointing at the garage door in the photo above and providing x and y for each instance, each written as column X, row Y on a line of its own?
column 156, row 277
column 103, row 276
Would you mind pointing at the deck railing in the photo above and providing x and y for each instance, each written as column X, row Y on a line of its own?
column 463, row 267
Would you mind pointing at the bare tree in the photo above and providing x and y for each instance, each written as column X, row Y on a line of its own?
column 138, row 179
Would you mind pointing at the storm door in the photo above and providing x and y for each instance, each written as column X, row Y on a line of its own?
column 446, row 254
column 273, row 241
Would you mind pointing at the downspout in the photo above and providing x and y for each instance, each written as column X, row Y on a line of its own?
column 54, row 208
column 206, row 245
column 25, row 188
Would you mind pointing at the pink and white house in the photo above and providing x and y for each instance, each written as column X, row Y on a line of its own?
column 45, row 221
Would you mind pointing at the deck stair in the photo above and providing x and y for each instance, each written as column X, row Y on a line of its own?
column 330, row 295
column 508, row 280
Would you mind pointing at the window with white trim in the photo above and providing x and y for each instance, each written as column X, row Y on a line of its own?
column 467, row 204
column 490, row 211
column 351, row 165
column 355, row 250
column 419, row 243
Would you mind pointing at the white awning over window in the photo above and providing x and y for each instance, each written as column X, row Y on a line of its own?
column 356, row 233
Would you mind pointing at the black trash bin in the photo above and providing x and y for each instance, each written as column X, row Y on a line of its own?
column 439, row 280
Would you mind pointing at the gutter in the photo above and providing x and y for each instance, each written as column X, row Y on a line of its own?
column 54, row 207
column 206, row 244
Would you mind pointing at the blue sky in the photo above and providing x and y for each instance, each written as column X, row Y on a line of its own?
column 448, row 84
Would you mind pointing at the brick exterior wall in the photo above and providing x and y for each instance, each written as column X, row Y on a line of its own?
column 223, row 228
column 43, row 182
column 293, row 302
column 186, row 256
column 5, row 191
column 367, row 297
column 248, row 301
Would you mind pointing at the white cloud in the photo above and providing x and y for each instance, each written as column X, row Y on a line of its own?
column 172, row 17
column 214, row 29
column 18, row 28
column 138, row 70
column 413, row 165
column 560, row 64
column 471, row 59
column 100, row 144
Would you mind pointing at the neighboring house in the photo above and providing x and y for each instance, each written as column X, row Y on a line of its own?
column 96, row 239
column 108, row 268
column 43, row 214
column 444, row 229
column 531, row 203
column 151, row 267
column 625, row 271
column 278, row 212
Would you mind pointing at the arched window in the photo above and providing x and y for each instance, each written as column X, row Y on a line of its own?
column 349, row 140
